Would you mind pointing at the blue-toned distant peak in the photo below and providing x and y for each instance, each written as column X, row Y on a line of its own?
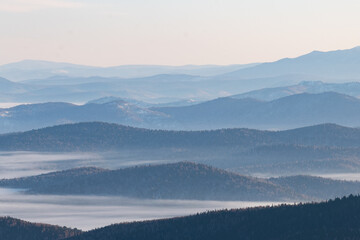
column 269, row 94
column 29, row 64
column 105, row 100
column 343, row 64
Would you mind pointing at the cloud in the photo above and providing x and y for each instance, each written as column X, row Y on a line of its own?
column 21, row 6
column 89, row 212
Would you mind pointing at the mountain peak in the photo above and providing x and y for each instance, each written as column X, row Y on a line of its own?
column 357, row 48
column 4, row 80
column 342, row 64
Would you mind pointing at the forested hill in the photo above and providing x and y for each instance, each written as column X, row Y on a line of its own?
column 15, row 229
column 96, row 136
column 182, row 180
column 336, row 219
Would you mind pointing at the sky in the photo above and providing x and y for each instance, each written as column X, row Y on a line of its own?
column 169, row 32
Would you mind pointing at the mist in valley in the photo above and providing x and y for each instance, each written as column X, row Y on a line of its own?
column 21, row 164
column 24, row 163
column 211, row 119
column 89, row 212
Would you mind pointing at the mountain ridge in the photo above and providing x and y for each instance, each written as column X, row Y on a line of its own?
column 12, row 228
column 338, row 63
column 269, row 94
column 192, row 181
column 31, row 69
column 289, row 112
column 320, row 135
column 284, row 113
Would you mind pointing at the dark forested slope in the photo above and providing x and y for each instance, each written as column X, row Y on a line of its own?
column 182, row 180
column 331, row 220
column 104, row 136
column 318, row 187
column 336, row 219
column 15, row 229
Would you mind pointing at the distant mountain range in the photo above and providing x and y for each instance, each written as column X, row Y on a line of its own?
column 156, row 89
column 9, row 89
column 269, row 94
column 33, row 69
column 332, row 65
column 63, row 82
column 104, row 136
column 285, row 113
column 33, row 116
column 8, row 86
column 191, row 181
column 324, row 148
column 145, row 104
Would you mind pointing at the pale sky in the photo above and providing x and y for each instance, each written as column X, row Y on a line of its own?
column 169, row 32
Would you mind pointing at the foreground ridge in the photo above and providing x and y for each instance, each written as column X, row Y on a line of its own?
column 11, row 229
column 335, row 219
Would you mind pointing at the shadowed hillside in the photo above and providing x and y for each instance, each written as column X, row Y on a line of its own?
column 284, row 113
column 105, row 136
column 169, row 181
column 14, row 229
column 325, row 148
column 182, row 180
column 335, row 219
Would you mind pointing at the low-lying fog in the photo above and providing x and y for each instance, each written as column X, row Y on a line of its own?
column 89, row 212
column 14, row 104
column 20, row 164
column 10, row 104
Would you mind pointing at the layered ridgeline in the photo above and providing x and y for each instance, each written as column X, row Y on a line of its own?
column 11, row 228
column 269, row 94
column 336, row 219
column 169, row 181
column 32, row 116
column 98, row 136
column 285, row 113
column 40, row 70
column 182, row 180
column 48, row 81
column 12, row 87
column 317, row 149
column 340, row 64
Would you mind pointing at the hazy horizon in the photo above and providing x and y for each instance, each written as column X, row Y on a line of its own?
column 174, row 65
column 215, row 110
column 111, row 33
